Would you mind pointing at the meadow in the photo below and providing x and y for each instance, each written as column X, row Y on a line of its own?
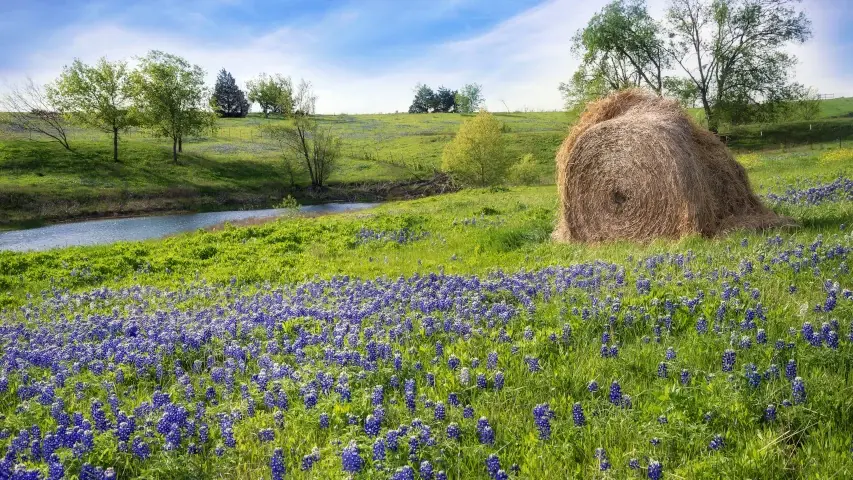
column 444, row 337
column 236, row 168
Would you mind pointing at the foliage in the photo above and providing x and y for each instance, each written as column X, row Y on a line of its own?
column 525, row 171
column 476, row 154
column 274, row 93
column 31, row 108
column 96, row 96
column 445, row 100
column 288, row 202
column 732, row 50
column 469, row 98
column 306, row 142
column 304, row 100
column 424, row 101
column 228, row 100
column 171, row 99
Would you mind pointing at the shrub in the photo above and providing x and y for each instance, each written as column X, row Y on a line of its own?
column 476, row 155
column 525, row 172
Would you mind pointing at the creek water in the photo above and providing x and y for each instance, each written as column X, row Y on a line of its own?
column 105, row 231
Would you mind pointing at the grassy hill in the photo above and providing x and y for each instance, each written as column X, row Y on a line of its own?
column 237, row 168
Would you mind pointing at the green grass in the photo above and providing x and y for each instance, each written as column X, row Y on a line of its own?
column 510, row 233
column 238, row 169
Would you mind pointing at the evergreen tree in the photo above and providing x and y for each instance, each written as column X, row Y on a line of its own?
column 425, row 100
column 228, row 100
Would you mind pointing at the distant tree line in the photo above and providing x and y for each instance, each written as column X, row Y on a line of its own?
column 165, row 95
column 468, row 99
column 726, row 56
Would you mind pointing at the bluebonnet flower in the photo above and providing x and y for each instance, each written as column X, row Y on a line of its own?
column 634, row 464
column 655, row 470
column 404, row 473
column 351, row 458
column 372, row 426
column 391, row 439
column 439, row 411
column 615, row 393
column 592, row 386
column 277, row 464
column 729, row 357
column 761, row 336
column 670, row 353
column 663, row 420
column 578, row 415
column 662, row 370
column 716, row 442
column 603, row 462
column 453, row 362
column 799, row 390
column 481, row 381
column 140, row 449
column 266, row 435
column 453, row 431
column 542, row 415
column 770, row 413
column 532, row 364
column 685, row 377
column 493, row 464
column 655, row 441
column 379, row 450
column 426, row 470
column 492, row 360
column 499, row 380
column 324, row 420
column 791, row 369
column 468, row 412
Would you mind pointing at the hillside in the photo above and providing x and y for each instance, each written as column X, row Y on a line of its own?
column 238, row 169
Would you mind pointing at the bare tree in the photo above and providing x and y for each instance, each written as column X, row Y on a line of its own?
column 309, row 144
column 31, row 109
column 304, row 99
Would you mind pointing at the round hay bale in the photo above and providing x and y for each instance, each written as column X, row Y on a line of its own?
column 637, row 167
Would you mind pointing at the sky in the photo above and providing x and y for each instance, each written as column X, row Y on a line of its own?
column 362, row 56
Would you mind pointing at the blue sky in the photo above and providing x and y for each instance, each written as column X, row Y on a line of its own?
column 361, row 55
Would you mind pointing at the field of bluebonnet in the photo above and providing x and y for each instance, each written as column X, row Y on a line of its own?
column 445, row 337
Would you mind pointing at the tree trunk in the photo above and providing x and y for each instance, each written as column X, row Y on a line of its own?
column 115, row 144
column 181, row 144
column 175, row 149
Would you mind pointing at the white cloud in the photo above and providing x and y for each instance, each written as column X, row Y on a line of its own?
column 520, row 61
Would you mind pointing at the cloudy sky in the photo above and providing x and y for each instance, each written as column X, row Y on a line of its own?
column 361, row 55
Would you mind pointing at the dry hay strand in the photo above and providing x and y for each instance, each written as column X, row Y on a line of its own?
column 637, row 167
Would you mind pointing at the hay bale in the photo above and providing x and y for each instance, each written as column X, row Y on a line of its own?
column 636, row 167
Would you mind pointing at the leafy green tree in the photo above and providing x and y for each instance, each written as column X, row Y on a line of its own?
column 620, row 47
column 305, row 142
column 476, row 154
column 274, row 93
column 469, row 98
column 733, row 51
column 425, row 100
column 96, row 96
column 171, row 99
column 228, row 100
column 445, row 100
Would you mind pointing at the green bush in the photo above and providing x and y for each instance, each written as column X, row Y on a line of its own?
column 525, row 172
column 476, row 156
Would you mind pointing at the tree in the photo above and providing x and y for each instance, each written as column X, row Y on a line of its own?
column 171, row 99
column 620, row 47
column 273, row 93
column 476, row 154
column 424, row 101
column 228, row 100
column 305, row 142
column 732, row 51
column 445, row 100
column 469, row 98
column 31, row 109
column 304, row 100
column 96, row 96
